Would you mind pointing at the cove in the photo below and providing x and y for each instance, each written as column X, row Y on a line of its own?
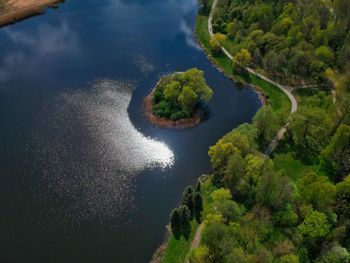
column 83, row 176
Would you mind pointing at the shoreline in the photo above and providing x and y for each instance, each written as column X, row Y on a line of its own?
column 147, row 106
column 263, row 98
column 18, row 10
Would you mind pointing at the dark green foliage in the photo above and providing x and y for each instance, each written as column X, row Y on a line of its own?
column 187, row 199
column 342, row 200
column 177, row 96
column 198, row 206
column 191, row 207
column 337, row 153
column 185, row 219
column 175, row 223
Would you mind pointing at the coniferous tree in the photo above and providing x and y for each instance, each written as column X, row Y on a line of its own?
column 185, row 219
column 175, row 221
column 187, row 199
column 198, row 206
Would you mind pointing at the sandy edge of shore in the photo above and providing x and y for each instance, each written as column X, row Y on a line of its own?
column 147, row 106
column 21, row 9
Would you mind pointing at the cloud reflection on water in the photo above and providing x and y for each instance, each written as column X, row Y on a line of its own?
column 30, row 50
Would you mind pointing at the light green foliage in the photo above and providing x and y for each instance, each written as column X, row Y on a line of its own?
column 199, row 255
column 177, row 96
column 221, row 195
column 188, row 98
column 255, row 168
column 216, row 42
column 220, row 154
column 217, row 237
column 315, row 226
column 335, row 254
column 233, row 144
column 241, row 60
column 266, row 123
column 289, row 39
column 289, row 259
column 325, row 54
column 172, row 90
column 318, row 191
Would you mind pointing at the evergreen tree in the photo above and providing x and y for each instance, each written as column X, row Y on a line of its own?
column 187, row 199
column 198, row 206
column 175, row 221
column 185, row 219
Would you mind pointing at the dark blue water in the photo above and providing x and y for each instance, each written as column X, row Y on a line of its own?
column 83, row 176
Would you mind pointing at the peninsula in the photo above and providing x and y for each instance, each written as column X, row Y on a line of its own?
column 12, row 11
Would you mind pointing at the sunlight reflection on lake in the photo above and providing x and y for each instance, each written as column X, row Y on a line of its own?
column 115, row 152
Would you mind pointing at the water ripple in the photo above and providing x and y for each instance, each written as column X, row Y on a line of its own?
column 91, row 163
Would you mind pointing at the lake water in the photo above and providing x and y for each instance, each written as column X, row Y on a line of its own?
column 83, row 176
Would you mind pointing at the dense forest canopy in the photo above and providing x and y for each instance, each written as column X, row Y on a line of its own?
column 299, row 39
column 293, row 206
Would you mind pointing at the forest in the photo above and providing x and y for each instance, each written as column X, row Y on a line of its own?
column 293, row 41
column 292, row 206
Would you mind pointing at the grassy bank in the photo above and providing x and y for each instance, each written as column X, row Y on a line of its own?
column 177, row 250
column 278, row 100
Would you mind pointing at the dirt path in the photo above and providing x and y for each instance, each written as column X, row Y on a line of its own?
column 16, row 10
column 285, row 89
column 197, row 238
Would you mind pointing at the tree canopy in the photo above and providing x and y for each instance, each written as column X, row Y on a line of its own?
column 177, row 96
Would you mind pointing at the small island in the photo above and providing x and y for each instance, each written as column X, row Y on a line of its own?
column 178, row 100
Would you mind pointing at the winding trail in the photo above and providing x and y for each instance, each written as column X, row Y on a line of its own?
column 285, row 89
column 273, row 144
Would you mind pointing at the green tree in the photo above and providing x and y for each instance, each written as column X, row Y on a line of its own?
column 175, row 223
column 234, row 172
column 188, row 98
column 255, row 169
column 187, row 199
column 241, row 60
column 309, row 130
column 315, row 226
column 342, row 199
column 172, row 90
column 185, row 220
column 217, row 237
column 266, row 124
column 337, row 153
column 318, row 191
column 198, row 206
column 177, row 96
column 216, row 42
column 335, row 254
column 325, row 54
column 199, row 255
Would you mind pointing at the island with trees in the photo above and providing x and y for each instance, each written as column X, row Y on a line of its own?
column 178, row 100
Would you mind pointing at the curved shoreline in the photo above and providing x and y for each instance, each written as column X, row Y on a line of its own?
column 147, row 106
column 17, row 10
